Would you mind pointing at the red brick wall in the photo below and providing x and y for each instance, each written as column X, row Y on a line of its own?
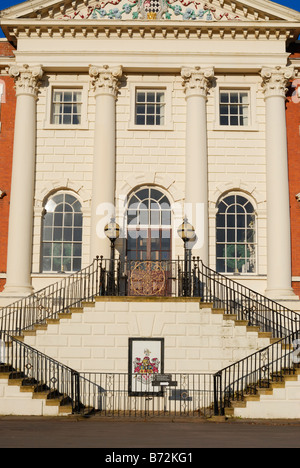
column 293, row 131
column 7, row 119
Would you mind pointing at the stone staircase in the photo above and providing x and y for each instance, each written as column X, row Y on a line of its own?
column 279, row 400
column 23, row 396
column 90, row 333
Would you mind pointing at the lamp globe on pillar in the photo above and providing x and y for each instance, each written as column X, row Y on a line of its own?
column 112, row 232
column 187, row 233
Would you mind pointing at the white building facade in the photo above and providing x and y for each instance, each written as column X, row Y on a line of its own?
column 150, row 112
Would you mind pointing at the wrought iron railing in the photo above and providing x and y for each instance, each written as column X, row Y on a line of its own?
column 51, row 301
column 175, row 278
column 147, row 278
column 42, row 373
column 246, row 304
column 120, row 394
column 257, row 371
column 171, row 278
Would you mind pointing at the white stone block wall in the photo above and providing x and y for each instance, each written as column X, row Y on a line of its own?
column 236, row 159
column 196, row 340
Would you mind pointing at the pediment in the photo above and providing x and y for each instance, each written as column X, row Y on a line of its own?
column 175, row 10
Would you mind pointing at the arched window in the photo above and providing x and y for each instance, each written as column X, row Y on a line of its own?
column 236, row 235
column 62, row 234
column 149, row 225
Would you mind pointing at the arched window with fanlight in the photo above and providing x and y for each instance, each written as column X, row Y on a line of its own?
column 149, row 225
column 62, row 234
column 236, row 235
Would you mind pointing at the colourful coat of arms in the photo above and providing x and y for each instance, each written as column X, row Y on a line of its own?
column 145, row 368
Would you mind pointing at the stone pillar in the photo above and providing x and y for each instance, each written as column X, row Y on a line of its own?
column 197, row 82
column 279, row 284
column 19, row 256
column 105, row 82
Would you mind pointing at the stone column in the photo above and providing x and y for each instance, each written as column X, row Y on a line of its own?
column 19, row 256
column 105, row 82
column 197, row 82
column 275, row 82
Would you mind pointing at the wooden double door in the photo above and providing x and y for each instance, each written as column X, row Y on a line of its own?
column 149, row 261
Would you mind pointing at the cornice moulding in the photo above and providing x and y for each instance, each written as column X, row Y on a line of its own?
column 145, row 29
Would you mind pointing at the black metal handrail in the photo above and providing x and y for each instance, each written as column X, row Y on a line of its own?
column 257, row 371
column 147, row 278
column 124, row 394
column 44, row 374
column 51, row 301
column 246, row 304
column 150, row 278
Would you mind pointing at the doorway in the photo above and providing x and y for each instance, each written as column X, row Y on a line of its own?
column 149, row 242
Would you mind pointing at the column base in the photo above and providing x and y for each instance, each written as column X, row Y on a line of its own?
column 282, row 294
column 12, row 294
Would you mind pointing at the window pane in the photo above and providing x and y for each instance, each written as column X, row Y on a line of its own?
column 224, row 98
column 59, row 229
column 77, row 264
column 224, row 120
column 244, row 98
column 57, row 234
column 141, row 97
column 57, row 264
column 77, row 250
column 140, row 120
column 150, row 97
column 233, row 238
column 47, row 250
column 46, row 264
column 67, row 251
column 150, row 120
column 57, row 249
column 234, row 98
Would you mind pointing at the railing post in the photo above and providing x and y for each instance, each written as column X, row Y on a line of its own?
column 218, row 407
column 76, row 392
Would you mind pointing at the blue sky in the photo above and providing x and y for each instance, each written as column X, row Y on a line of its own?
column 295, row 4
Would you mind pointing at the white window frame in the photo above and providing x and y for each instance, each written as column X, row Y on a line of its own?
column 151, row 86
column 253, row 124
column 67, row 86
column 254, row 243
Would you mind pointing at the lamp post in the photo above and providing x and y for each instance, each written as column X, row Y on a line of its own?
column 187, row 233
column 112, row 232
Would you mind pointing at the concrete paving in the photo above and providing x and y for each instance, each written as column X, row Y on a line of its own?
column 16, row 432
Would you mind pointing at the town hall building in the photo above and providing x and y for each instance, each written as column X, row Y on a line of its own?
column 150, row 137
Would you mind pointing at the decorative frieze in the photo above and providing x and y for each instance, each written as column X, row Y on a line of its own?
column 197, row 80
column 276, row 80
column 186, row 10
column 105, row 80
column 27, row 79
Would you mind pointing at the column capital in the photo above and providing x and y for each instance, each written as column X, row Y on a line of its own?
column 27, row 79
column 105, row 80
column 197, row 81
column 275, row 80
